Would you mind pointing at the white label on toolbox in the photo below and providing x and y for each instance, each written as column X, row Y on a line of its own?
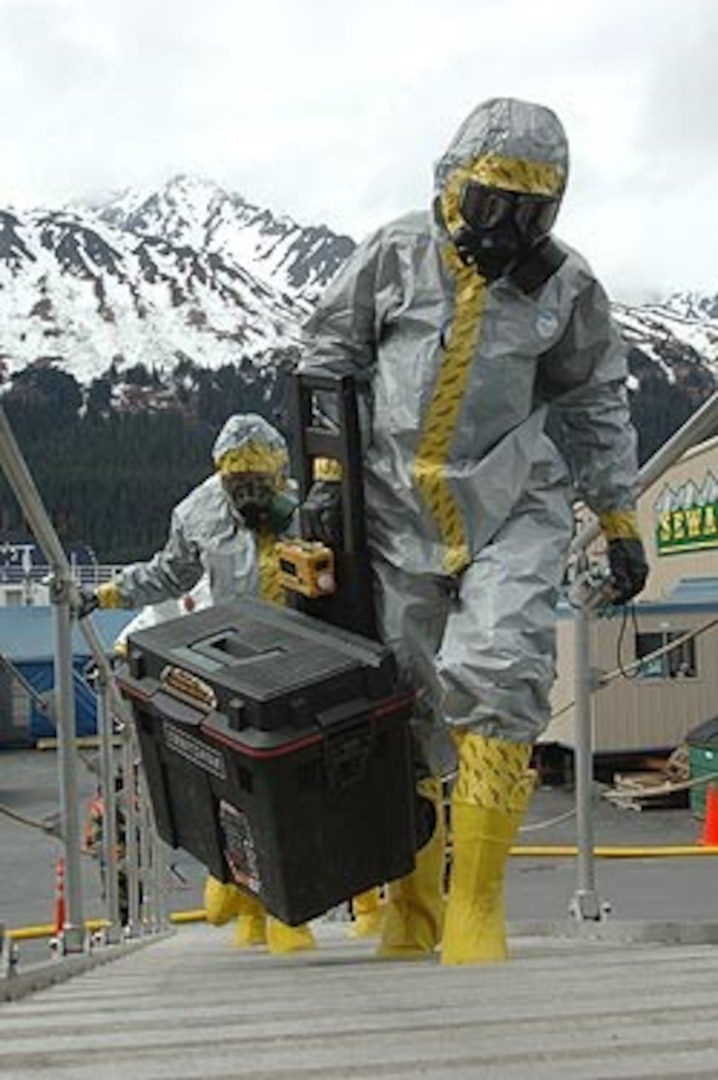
column 193, row 750
column 239, row 848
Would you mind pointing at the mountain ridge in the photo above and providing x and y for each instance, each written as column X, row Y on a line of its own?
column 132, row 326
column 191, row 272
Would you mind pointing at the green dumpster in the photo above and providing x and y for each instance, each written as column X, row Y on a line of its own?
column 702, row 745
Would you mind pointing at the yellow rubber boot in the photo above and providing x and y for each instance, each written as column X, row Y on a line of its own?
column 491, row 793
column 251, row 925
column 368, row 910
column 221, row 902
column 283, row 939
column 415, row 908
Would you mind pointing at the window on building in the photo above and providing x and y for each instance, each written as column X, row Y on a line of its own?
column 678, row 663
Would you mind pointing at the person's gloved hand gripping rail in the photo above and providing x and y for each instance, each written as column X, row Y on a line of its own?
column 104, row 597
column 321, row 511
column 626, row 554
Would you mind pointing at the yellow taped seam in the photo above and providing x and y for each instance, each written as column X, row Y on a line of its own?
column 442, row 417
column 493, row 773
column 620, row 524
column 252, row 457
column 270, row 587
column 326, row 469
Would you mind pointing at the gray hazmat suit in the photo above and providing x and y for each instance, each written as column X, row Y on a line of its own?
column 468, row 501
column 207, row 535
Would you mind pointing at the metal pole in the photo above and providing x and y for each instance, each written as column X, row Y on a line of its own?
column 148, row 852
column 108, row 772
column 73, row 932
column 116, row 704
column 161, row 876
column 132, row 852
column 585, row 903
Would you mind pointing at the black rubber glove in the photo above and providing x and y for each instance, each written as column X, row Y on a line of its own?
column 88, row 602
column 629, row 568
column 322, row 513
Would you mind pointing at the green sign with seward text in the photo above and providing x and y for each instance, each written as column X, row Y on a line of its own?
column 687, row 519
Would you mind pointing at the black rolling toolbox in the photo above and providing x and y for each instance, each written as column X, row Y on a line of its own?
column 277, row 752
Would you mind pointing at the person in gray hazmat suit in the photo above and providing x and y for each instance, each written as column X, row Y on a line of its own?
column 225, row 529
column 463, row 328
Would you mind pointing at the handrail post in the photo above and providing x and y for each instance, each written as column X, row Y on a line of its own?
column 585, row 903
column 110, row 839
column 73, row 932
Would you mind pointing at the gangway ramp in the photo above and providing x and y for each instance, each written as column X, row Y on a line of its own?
column 190, row 1007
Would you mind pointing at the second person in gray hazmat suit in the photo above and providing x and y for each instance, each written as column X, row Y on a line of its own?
column 225, row 529
column 463, row 327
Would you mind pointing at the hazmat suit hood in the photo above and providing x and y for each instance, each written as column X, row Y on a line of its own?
column 518, row 148
column 224, row 532
column 252, row 459
column 249, row 443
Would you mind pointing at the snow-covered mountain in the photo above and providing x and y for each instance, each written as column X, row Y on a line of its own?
column 682, row 328
column 293, row 259
column 192, row 272
column 187, row 272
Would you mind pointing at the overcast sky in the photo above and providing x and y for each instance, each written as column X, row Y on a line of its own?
column 334, row 112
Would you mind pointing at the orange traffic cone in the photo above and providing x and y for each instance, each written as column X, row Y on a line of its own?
column 59, row 896
column 710, row 824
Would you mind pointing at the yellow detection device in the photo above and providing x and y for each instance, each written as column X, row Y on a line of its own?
column 306, row 567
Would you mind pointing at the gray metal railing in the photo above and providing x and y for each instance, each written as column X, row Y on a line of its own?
column 141, row 880
column 84, row 575
column 586, row 903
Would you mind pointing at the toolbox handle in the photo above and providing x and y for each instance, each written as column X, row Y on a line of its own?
column 179, row 712
column 342, row 444
column 352, row 606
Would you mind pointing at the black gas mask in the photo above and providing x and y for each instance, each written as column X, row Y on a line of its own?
column 255, row 496
column 500, row 227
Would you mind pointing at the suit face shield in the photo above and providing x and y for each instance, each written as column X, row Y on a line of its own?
column 500, row 227
column 251, row 494
column 256, row 497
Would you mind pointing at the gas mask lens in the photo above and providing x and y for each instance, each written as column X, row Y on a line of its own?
column 484, row 208
column 249, row 492
column 535, row 214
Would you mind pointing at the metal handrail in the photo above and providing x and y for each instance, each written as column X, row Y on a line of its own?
column 64, row 590
column 586, row 904
column 83, row 575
